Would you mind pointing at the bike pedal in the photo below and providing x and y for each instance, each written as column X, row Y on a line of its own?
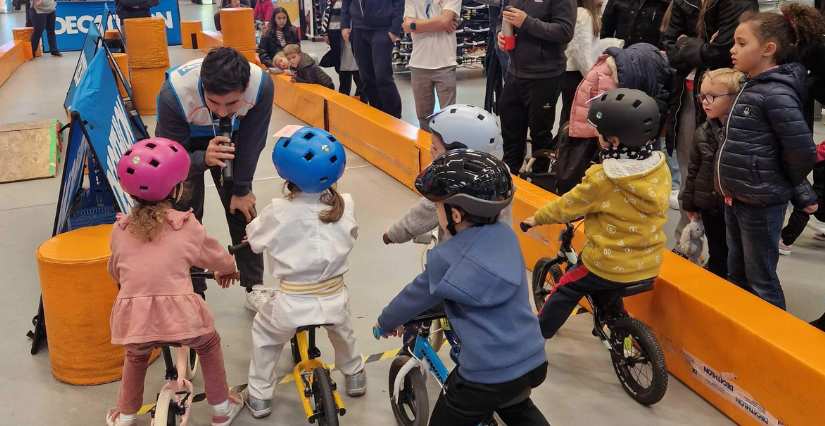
column 307, row 392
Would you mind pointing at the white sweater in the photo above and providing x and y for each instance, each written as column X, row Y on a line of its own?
column 583, row 51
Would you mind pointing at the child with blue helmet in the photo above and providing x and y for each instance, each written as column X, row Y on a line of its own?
column 307, row 236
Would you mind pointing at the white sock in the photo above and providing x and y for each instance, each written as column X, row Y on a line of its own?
column 223, row 406
column 127, row 417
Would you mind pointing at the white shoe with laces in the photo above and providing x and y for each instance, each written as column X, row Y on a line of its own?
column 256, row 298
column 674, row 199
column 816, row 225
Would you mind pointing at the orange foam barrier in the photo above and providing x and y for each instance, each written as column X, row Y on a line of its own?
column 145, row 88
column 122, row 61
column 238, row 29
column 12, row 55
column 188, row 29
column 757, row 364
column 151, row 51
column 208, row 40
column 24, row 35
column 112, row 35
column 78, row 294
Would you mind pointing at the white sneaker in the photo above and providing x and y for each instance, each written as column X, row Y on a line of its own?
column 816, row 225
column 256, row 298
column 674, row 199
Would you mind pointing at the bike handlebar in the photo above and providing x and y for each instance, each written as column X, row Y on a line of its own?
column 234, row 249
column 378, row 332
column 208, row 275
column 524, row 226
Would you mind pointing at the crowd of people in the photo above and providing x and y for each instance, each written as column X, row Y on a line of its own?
column 710, row 100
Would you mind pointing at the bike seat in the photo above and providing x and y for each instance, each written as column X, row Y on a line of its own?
column 635, row 289
column 311, row 327
column 543, row 153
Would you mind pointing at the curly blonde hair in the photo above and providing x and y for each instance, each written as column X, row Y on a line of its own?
column 147, row 220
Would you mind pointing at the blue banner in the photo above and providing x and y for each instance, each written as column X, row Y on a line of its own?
column 73, row 164
column 74, row 18
column 106, row 122
column 90, row 46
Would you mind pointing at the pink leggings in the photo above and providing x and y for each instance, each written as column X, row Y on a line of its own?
column 208, row 348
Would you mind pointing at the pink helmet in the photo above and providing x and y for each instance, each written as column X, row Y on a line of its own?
column 151, row 168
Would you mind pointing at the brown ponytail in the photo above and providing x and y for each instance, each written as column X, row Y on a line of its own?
column 147, row 220
column 700, row 23
column 666, row 18
column 590, row 6
column 794, row 32
column 331, row 198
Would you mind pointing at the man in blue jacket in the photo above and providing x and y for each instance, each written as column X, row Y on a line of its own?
column 372, row 27
column 479, row 276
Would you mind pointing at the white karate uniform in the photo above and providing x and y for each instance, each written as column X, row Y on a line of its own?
column 309, row 258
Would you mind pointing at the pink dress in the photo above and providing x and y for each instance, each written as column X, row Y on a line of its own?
column 156, row 302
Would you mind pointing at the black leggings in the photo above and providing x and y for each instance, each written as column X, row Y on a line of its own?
column 43, row 21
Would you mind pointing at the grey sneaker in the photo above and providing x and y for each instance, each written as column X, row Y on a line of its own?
column 259, row 408
column 357, row 383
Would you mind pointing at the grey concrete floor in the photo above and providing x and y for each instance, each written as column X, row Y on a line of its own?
column 581, row 387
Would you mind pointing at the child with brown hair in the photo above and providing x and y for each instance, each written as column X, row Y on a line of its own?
column 304, row 69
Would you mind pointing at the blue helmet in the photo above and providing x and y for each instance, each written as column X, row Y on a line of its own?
column 311, row 158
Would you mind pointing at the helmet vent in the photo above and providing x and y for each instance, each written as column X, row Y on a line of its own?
column 636, row 104
column 172, row 147
column 309, row 155
column 492, row 141
column 154, row 163
column 332, row 138
column 129, row 152
column 151, row 145
column 333, row 159
column 286, row 142
column 480, row 117
column 323, row 179
column 453, row 111
column 648, row 121
column 130, row 170
column 144, row 188
column 309, row 135
column 620, row 96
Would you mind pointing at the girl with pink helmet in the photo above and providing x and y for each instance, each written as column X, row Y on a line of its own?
column 153, row 248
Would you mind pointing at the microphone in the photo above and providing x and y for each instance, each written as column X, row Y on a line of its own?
column 226, row 131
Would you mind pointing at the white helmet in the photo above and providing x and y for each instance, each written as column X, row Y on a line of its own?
column 466, row 126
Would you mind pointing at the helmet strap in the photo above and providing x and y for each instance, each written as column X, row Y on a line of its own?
column 624, row 152
column 448, row 211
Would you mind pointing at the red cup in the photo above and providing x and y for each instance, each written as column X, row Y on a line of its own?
column 509, row 43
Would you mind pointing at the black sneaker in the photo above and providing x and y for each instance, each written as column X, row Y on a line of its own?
column 57, row 54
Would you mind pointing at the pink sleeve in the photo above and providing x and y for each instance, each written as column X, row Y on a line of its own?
column 820, row 152
column 213, row 256
column 111, row 265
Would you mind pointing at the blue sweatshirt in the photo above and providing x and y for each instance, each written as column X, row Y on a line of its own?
column 384, row 15
column 480, row 276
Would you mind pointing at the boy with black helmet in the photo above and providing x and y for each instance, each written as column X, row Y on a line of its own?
column 624, row 202
column 502, row 356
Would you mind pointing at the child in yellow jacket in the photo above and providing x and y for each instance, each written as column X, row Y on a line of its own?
column 624, row 202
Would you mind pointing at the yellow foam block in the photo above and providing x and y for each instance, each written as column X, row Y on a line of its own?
column 121, row 60
column 145, row 88
column 187, row 30
column 238, row 28
column 78, row 294
column 12, row 55
column 208, row 40
column 148, row 48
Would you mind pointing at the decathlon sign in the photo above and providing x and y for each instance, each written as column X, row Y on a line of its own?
column 74, row 18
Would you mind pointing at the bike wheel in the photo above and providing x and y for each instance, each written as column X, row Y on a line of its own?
column 641, row 368
column 192, row 361
column 164, row 416
column 324, row 398
column 296, row 354
column 413, row 407
column 436, row 335
column 546, row 274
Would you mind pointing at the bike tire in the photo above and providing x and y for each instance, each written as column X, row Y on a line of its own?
column 413, row 399
column 322, row 394
column 192, row 362
column 163, row 414
column 649, row 347
column 296, row 354
column 436, row 335
column 546, row 274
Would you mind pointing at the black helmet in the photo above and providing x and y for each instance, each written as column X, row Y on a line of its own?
column 475, row 181
column 628, row 114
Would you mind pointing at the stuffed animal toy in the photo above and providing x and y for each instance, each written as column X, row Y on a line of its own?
column 691, row 243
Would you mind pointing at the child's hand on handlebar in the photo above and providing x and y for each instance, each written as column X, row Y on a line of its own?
column 528, row 223
column 397, row 332
column 225, row 281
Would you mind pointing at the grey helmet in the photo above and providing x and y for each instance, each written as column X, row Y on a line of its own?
column 466, row 126
column 628, row 114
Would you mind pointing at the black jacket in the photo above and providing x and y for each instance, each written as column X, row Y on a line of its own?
column 698, row 52
column 634, row 21
column 126, row 8
column 542, row 39
column 699, row 193
column 766, row 149
column 642, row 67
column 269, row 46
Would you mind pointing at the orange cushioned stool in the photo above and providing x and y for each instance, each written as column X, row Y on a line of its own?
column 78, row 295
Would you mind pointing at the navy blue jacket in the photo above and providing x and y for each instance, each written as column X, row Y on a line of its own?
column 479, row 275
column 642, row 67
column 767, row 148
column 384, row 15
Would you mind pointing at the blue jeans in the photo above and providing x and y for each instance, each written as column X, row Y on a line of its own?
column 753, row 249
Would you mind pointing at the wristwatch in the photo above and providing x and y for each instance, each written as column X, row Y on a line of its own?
column 412, row 26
